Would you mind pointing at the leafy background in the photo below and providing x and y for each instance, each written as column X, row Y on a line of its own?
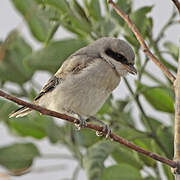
column 143, row 114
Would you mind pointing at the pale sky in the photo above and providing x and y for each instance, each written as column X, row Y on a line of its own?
column 10, row 19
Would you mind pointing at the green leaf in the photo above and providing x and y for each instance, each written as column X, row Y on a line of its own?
column 68, row 18
column 138, row 14
column 11, row 66
column 37, row 18
column 93, row 161
column 146, row 143
column 6, row 109
column 173, row 49
column 123, row 155
column 37, row 126
column 129, row 133
column 94, row 10
column 158, row 97
column 166, row 137
column 61, row 5
column 79, row 11
column 151, row 178
column 18, row 157
column 86, row 138
column 154, row 123
column 53, row 55
column 123, row 171
column 168, row 172
column 126, row 6
column 106, row 108
column 143, row 24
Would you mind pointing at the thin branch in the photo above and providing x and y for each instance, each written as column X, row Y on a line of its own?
column 177, row 123
column 177, row 4
column 141, row 41
column 113, row 136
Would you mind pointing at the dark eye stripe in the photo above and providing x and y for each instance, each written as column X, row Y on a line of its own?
column 118, row 57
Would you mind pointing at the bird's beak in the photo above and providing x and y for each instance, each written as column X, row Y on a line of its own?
column 131, row 69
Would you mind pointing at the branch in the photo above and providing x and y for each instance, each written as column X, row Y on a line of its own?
column 177, row 4
column 177, row 123
column 90, row 126
column 141, row 41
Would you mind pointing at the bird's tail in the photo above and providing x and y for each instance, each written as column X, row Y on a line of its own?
column 23, row 111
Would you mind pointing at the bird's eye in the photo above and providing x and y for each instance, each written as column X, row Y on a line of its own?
column 117, row 56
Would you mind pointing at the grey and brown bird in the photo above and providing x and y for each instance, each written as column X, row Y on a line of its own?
column 86, row 79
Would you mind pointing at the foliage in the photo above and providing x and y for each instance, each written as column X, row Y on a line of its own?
column 87, row 22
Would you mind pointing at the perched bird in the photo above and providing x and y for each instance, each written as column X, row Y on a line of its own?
column 86, row 79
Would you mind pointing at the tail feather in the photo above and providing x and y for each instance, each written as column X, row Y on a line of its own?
column 23, row 111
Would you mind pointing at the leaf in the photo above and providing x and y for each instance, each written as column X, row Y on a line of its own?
column 173, row 49
column 154, row 123
column 6, row 109
column 146, row 143
column 151, row 178
column 18, row 157
column 140, row 22
column 79, row 11
column 61, row 5
column 68, row 18
column 36, row 18
column 86, row 138
column 123, row 171
column 158, row 97
column 129, row 133
column 53, row 55
column 123, row 155
column 11, row 66
column 143, row 24
column 93, row 161
column 95, row 10
column 37, row 126
column 126, row 6
column 165, row 135
column 168, row 172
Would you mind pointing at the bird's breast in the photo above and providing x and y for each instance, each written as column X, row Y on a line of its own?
column 86, row 92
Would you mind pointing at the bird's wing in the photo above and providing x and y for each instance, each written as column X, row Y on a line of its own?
column 49, row 86
column 72, row 65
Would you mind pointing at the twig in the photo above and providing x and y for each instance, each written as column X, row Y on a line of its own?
column 90, row 126
column 177, row 4
column 141, row 40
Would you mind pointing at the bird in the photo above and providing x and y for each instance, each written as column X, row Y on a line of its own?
column 85, row 80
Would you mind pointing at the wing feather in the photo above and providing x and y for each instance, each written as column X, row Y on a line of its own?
column 72, row 65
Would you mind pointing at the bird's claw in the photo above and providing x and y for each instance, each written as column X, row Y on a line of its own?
column 82, row 123
column 107, row 129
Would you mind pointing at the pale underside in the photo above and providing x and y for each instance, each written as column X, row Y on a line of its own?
column 84, row 87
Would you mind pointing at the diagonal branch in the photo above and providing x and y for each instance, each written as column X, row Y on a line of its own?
column 177, row 4
column 141, row 41
column 113, row 136
column 177, row 125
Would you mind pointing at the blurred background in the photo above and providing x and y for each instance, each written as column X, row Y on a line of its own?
column 36, row 36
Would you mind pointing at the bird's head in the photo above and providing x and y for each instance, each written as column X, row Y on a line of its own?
column 119, row 54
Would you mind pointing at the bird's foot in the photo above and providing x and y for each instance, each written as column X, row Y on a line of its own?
column 106, row 129
column 82, row 123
